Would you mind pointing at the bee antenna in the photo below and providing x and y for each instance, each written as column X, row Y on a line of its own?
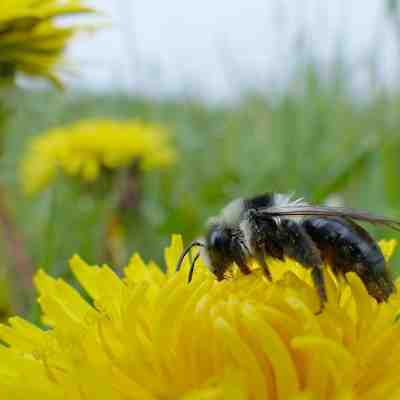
column 192, row 267
column 195, row 243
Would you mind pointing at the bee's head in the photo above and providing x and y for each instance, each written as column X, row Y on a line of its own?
column 217, row 251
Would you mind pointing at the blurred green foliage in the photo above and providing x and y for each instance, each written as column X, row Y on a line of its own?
column 316, row 139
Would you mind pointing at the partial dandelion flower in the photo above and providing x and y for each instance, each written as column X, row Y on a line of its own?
column 150, row 335
column 31, row 39
column 88, row 148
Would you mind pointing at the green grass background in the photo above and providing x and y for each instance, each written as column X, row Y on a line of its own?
column 316, row 139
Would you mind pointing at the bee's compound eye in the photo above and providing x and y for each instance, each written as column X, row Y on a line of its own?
column 219, row 240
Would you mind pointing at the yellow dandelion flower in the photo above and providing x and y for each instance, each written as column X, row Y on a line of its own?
column 86, row 147
column 31, row 41
column 152, row 336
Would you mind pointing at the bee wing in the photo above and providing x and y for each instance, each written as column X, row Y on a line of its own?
column 325, row 211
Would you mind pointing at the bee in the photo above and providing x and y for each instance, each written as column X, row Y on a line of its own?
column 273, row 225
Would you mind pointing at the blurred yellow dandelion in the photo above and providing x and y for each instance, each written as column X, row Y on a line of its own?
column 86, row 147
column 152, row 336
column 31, row 41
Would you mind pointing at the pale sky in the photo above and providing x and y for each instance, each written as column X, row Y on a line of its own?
column 216, row 49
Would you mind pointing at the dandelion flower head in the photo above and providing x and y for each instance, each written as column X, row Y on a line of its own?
column 31, row 41
column 150, row 335
column 87, row 147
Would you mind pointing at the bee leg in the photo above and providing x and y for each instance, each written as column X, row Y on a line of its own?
column 318, row 280
column 298, row 245
column 262, row 238
column 239, row 257
column 244, row 268
column 260, row 258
